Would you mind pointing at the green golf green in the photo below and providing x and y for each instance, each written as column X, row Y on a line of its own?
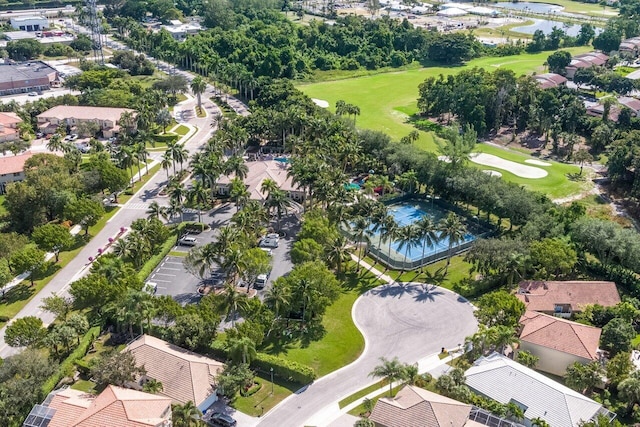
column 387, row 100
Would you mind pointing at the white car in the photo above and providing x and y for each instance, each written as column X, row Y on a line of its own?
column 268, row 243
column 188, row 241
column 267, row 251
column 273, row 236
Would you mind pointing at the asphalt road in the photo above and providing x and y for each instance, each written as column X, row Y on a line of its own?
column 410, row 322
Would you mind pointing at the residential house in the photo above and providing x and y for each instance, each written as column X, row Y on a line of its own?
column 417, row 407
column 115, row 406
column 550, row 80
column 259, row 171
column 557, row 342
column 565, row 298
column 185, row 376
column 27, row 77
column 632, row 104
column 9, row 127
column 630, row 47
column 585, row 60
column 12, row 168
column 506, row 381
column 107, row 118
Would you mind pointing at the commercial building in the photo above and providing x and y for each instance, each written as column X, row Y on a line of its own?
column 30, row 23
column 107, row 118
column 26, row 77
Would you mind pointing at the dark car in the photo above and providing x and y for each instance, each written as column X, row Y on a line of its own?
column 219, row 419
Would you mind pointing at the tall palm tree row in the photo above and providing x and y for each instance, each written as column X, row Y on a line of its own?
column 453, row 229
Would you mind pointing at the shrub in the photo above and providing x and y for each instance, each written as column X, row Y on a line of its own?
column 83, row 367
column 153, row 262
column 257, row 385
column 66, row 367
column 191, row 227
column 285, row 369
column 165, row 138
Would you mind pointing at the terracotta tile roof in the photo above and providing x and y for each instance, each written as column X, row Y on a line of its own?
column 631, row 103
column 416, row 407
column 80, row 112
column 543, row 296
column 185, row 376
column 549, row 80
column 14, row 164
column 261, row 170
column 9, row 119
column 559, row 334
column 115, row 406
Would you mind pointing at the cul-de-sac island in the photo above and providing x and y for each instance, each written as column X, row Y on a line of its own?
column 329, row 213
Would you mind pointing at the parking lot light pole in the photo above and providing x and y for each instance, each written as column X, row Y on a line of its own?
column 271, row 380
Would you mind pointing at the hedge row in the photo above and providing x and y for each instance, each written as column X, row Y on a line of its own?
column 153, row 262
column 625, row 278
column 191, row 227
column 66, row 367
column 165, row 138
column 285, row 369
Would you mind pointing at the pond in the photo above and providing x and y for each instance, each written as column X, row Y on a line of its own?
column 532, row 7
column 547, row 26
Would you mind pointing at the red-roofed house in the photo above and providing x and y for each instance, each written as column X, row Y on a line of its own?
column 557, row 342
column 12, row 168
column 630, row 46
column 550, row 80
column 9, row 127
column 115, row 406
column 586, row 60
column 417, row 407
column 185, row 376
column 565, row 298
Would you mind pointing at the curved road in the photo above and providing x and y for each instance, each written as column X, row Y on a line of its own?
column 410, row 321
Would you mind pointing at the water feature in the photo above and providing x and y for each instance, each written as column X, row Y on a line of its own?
column 531, row 7
column 547, row 26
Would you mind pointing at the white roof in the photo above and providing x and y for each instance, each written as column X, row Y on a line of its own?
column 482, row 11
column 453, row 11
column 504, row 380
column 463, row 6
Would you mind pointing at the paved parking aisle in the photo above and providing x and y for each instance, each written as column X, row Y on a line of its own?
column 174, row 280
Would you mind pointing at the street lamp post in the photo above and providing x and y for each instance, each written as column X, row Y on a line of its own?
column 271, row 370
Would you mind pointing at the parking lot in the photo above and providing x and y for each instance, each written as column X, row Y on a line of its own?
column 174, row 280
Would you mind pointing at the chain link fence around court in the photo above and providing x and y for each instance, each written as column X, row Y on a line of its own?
column 386, row 254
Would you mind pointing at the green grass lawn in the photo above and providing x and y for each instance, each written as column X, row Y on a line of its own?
column 181, row 130
column 262, row 401
column 3, row 210
column 361, row 393
column 84, row 385
column 458, row 269
column 592, row 9
column 123, row 198
column 342, row 343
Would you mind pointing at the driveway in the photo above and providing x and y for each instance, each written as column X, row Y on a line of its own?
column 410, row 321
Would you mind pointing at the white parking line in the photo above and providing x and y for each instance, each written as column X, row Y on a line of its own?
column 163, row 274
column 163, row 281
column 172, row 262
column 174, row 269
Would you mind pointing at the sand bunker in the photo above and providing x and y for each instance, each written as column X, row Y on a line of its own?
column 492, row 173
column 320, row 103
column 517, row 169
column 537, row 162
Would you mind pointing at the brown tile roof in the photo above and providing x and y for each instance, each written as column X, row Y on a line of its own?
column 115, row 406
column 185, row 376
column 261, row 170
column 84, row 113
column 631, row 103
column 559, row 334
column 543, row 296
column 549, row 80
column 416, row 407
column 14, row 164
column 9, row 119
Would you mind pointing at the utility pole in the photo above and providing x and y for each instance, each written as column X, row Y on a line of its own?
column 95, row 25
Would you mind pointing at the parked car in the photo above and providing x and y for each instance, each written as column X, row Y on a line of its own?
column 40, row 134
column 188, row 241
column 267, row 251
column 219, row 419
column 33, row 94
column 273, row 236
column 268, row 243
column 261, row 281
column 73, row 137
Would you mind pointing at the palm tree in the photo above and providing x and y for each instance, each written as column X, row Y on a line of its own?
column 279, row 201
column 452, row 229
column 55, row 142
column 167, row 161
column 391, row 370
column 198, row 86
column 268, row 186
column 426, row 230
column 360, row 226
column 337, row 253
column 629, row 389
column 141, row 153
column 236, row 165
column 278, row 298
column 408, row 236
column 242, row 350
column 502, row 336
column 238, row 192
column 233, row 302
column 388, row 233
column 199, row 260
column 125, row 157
column 152, row 386
column 154, row 210
column 187, row 415
column 199, row 196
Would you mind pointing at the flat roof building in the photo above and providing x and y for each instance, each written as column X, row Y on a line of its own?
column 26, row 77
column 29, row 23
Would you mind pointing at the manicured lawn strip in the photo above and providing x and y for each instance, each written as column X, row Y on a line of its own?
column 556, row 184
column 123, row 198
column 387, row 100
column 262, row 401
column 361, row 393
column 178, row 254
column 84, row 385
column 458, row 269
column 3, row 210
column 18, row 297
column 360, row 408
column 181, row 130
column 570, row 6
column 342, row 343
